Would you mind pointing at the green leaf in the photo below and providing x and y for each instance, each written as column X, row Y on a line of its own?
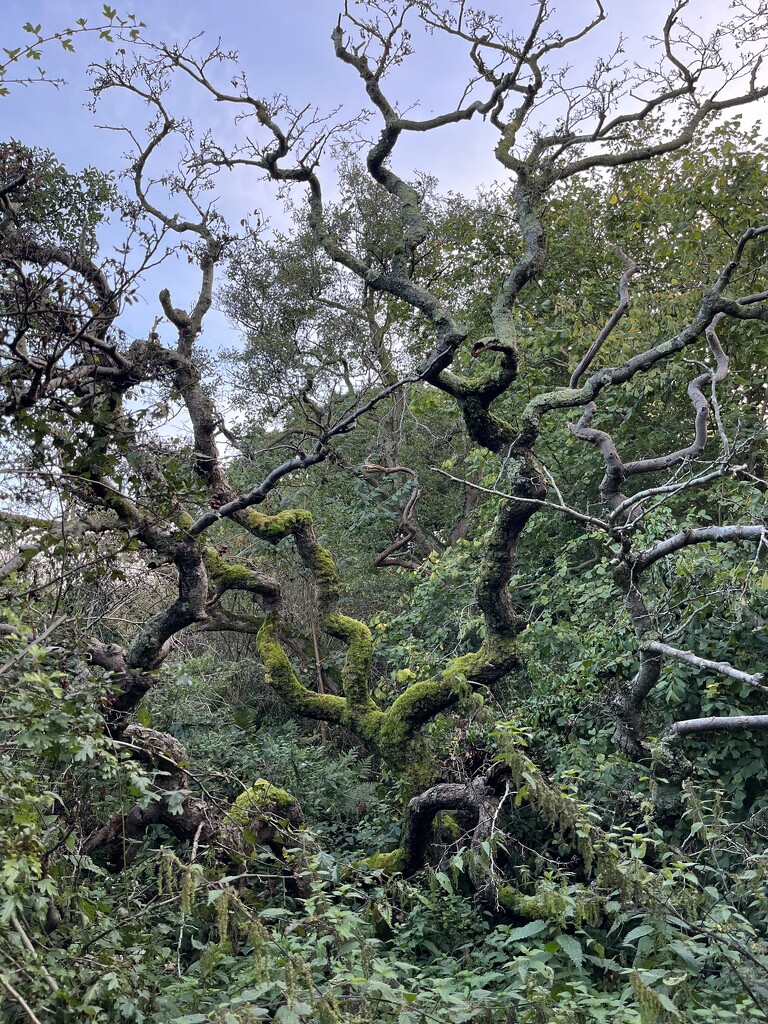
column 572, row 948
column 287, row 1016
column 685, row 953
column 527, row 931
column 667, row 1003
column 638, row 933
column 444, row 882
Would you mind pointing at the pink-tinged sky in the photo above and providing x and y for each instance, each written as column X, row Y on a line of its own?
column 285, row 47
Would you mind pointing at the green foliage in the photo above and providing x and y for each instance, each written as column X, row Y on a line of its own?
column 15, row 71
column 54, row 758
column 57, row 206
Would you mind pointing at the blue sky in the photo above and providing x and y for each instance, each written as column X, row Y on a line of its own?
column 286, row 48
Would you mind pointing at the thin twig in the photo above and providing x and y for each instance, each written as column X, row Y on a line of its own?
column 540, row 502
column 35, row 640
column 18, row 998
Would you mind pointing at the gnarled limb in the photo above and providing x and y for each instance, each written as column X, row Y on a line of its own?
column 473, row 798
column 393, row 732
column 617, row 471
column 259, row 811
column 628, row 703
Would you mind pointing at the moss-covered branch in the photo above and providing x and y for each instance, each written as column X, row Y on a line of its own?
column 281, row 677
column 229, row 576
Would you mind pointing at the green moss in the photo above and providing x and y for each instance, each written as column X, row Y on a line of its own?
column 468, row 664
column 281, row 677
column 422, row 701
column 395, row 739
column 398, row 739
column 509, row 898
column 322, row 566
column 224, row 572
column 406, row 753
column 364, row 724
column 254, row 621
column 281, row 524
column 497, row 655
column 261, row 797
column 357, row 664
column 668, row 759
column 449, row 826
column 547, row 905
column 280, row 674
column 390, row 863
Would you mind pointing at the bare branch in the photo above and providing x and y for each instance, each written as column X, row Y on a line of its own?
column 618, row 313
column 571, row 513
column 735, row 723
column 723, row 667
column 699, row 535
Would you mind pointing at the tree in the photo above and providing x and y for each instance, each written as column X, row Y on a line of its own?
column 498, row 314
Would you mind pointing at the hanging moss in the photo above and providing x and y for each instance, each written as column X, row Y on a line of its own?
column 578, row 904
column 546, row 905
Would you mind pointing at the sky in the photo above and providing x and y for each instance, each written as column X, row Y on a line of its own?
column 286, row 49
